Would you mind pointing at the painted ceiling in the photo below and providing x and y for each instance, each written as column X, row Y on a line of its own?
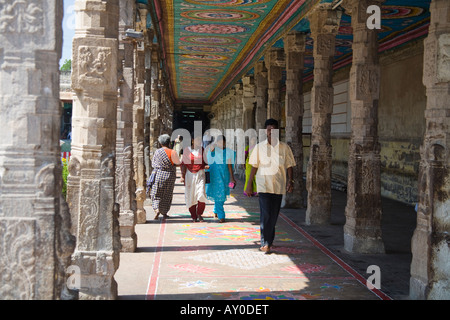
column 208, row 45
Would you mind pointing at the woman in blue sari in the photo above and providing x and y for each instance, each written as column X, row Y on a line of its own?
column 221, row 164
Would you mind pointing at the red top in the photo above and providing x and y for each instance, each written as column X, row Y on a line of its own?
column 169, row 154
column 193, row 163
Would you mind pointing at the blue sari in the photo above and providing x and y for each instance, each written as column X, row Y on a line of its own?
column 217, row 189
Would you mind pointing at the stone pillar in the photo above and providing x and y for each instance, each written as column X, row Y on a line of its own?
column 238, row 120
column 227, row 111
column 124, row 185
column 220, row 112
column 148, row 41
column 362, row 230
column 35, row 239
column 275, row 62
column 138, row 135
column 232, row 108
column 261, row 81
column 248, row 102
column 148, row 99
column 223, row 113
column 430, row 272
column 324, row 24
column 294, row 46
column 218, row 122
column 90, row 189
column 155, row 101
column 215, row 115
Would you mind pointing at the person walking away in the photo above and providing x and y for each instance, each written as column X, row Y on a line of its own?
column 193, row 177
column 270, row 160
column 221, row 165
column 178, row 146
column 162, row 183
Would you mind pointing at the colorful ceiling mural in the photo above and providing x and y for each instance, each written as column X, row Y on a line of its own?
column 208, row 45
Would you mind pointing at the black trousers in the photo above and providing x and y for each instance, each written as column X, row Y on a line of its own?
column 269, row 204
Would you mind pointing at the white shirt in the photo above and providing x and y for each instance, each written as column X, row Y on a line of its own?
column 272, row 163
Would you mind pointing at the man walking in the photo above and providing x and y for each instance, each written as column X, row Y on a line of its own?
column 270, row 160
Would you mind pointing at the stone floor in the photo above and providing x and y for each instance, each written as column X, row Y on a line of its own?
column 178, row 259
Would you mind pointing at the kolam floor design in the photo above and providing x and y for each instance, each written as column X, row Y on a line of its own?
column 179, row 259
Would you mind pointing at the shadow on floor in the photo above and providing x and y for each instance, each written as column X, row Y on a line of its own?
column 398, row 225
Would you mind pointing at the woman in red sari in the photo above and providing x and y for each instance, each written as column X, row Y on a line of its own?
column 193, row 177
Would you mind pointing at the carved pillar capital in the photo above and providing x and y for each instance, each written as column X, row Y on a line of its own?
column 295, row 42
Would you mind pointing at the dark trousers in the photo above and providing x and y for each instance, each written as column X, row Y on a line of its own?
column 269, row 204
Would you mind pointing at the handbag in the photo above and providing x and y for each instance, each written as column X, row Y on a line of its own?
column 151, row 181
column 207, row 177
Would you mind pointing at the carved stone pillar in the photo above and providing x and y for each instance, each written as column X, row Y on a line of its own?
column 238, row 120
column 227, row 111
column 232, row 108
column 248, row 102
column 294, row 46
column 221, row 108
column 155, row 102
column 148, row 40
column 274, row 62
column 324, row 27
column 124, row 185
column 430, row 271
column 362, row 230
column 215, row 112
column 35, row 239
column 138, row 135
column 218, row 113
column 261, row 81
column 92, row 164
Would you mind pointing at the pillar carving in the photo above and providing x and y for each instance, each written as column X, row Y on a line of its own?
column 275, row 62
column 155, row 101
column 261, row 80
column 362, row 230
column 294, row 46
column 213, row 115
column 36, row 243
column 148, row 40
column 124, row 185
column 248, row 102
column 430, row 273
column 232, row 108
column 138, row 135
column 218, row 113
column 324, row 24
column 238, row 120
column 227, row 111
column 222, row 114
column 92, row 165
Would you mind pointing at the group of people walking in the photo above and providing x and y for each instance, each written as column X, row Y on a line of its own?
column 211, row 177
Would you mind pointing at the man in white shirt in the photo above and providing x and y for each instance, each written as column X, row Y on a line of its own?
column 270, row 160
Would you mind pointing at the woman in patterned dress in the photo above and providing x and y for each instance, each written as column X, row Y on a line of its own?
column 164, row 164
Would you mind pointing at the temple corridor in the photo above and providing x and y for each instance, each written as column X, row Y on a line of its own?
column 359, row 90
